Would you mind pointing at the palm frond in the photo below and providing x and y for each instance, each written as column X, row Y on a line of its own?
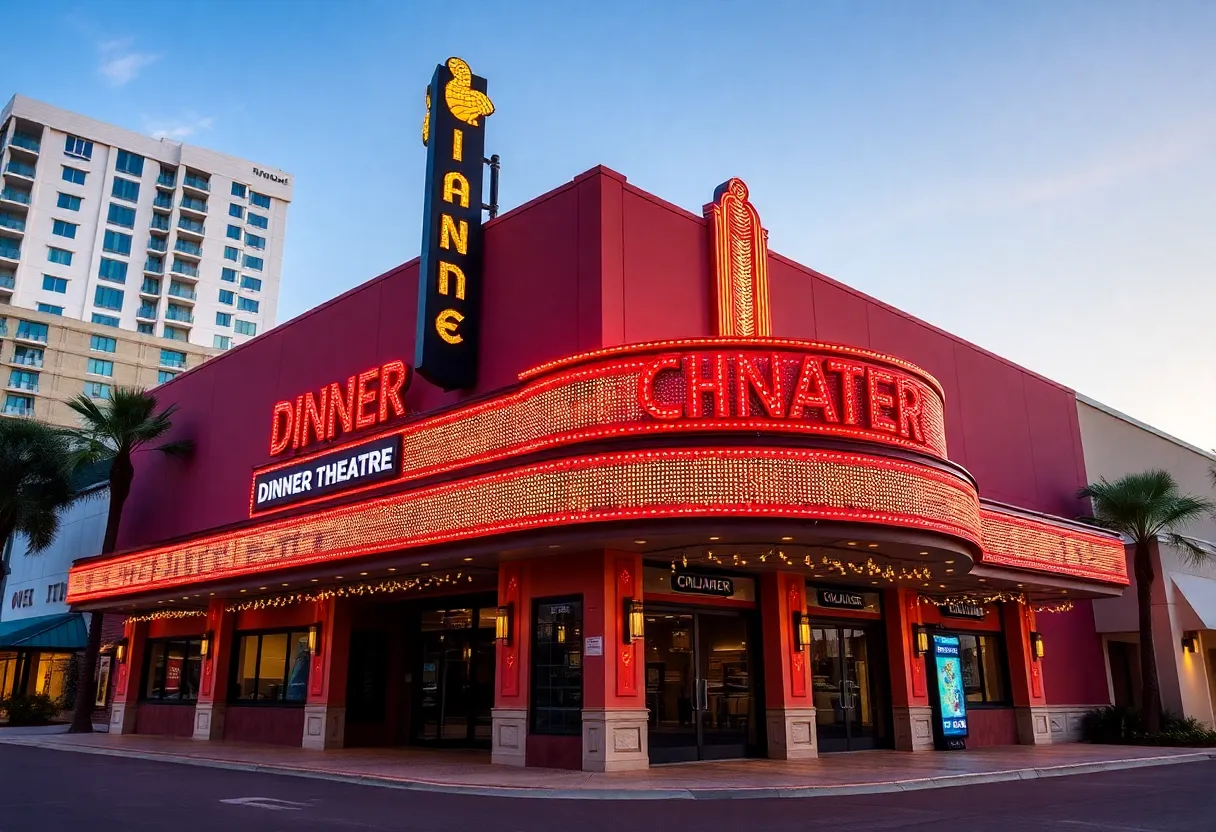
column 1144, row 505
column 1193, row 554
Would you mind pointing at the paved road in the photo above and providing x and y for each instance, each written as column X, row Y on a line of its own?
column 42, row 789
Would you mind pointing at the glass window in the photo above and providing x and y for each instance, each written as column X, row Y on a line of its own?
column 78, row 147
column 69, row 202
column 121, row 215
column 59, row 255
column 223, row 319
column 173, row 333
column 173, row 669
column 983, row 665
column 129, row 163
column 23, row 380
column 73, row 175
column 557, row 667
column 247, row 305
column 50, row 309
column 245, row 327
column 238, row 190
column 227, row 296
column 100, row 343
column 228, row 275
column 260, row 200
column 64, row 229
column 254, row 241
column 105, row 320
column 173, row 358
column 253, row 283
column 28, row 356
column 254, row 263
column 231, row 253
column 234, row 232
column 271, row 667
column 107, row 298
column 235, row 210
column 100, row 367
column 222, row 342
column 96, row 390
column 164, row 375
column 16, row 405
column 125, row 189
column 258, row 221
column 145, row 329
column 54, row 284
column 116, row 242
column 32, row 331
column 113, row 270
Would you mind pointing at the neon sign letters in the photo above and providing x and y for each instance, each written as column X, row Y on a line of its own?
column 368, row 398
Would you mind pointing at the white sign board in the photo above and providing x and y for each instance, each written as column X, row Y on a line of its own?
column 594, row 646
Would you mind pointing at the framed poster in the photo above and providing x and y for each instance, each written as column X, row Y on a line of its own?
column 103, row 680
column 950, row 699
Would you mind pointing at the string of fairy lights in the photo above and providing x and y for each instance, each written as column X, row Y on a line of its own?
column 160, row 615
column 354, row 590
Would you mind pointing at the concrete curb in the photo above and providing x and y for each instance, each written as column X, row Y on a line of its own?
column 541, row 793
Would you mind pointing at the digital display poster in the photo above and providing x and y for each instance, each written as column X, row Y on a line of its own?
column 951, row 698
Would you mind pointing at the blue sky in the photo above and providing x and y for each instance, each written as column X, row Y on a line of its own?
column 1039, row 178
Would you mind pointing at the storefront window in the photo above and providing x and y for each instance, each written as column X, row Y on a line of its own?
column 173, row 669
column 52, row 674
column 983, row 662
column 271, row 668
column 8, row 674
column 557, row 667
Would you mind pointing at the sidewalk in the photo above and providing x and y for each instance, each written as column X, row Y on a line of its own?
column 470, row 772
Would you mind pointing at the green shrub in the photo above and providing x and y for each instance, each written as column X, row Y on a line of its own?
column 1121, row 726
column 1112, row 724
column 35, row 709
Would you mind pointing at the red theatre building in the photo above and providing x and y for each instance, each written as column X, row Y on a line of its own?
column 702, row 502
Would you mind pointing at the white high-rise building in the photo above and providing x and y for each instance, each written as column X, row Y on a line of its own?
column 124, row 231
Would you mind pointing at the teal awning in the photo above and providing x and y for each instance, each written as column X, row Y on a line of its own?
column 65, row 631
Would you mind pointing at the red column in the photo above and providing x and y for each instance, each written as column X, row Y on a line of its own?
column 325, row 708
column 789, row 710
column 213, row 689
column 510, row 713
column 126, row 689
column 912, row 714
column 1025, row 675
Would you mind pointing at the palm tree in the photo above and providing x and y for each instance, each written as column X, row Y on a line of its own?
column 1145, row 507
column 124, row 424
column 36, row 466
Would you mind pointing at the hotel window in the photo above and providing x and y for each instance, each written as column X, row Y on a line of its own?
column 254, row 241
column 64, row 229
column 557, row 667
column 227, row 297
column 58, row 285
column 238, row 190
column 73, row 175
column 145, row 329
column 173, row 333
column 125, row 189
column 107, row 298
column 254, row 263
column 28, row 356
column 116, row 242
column 223, row 319
column 96, row 390
column 78, row 147
column 32, row 331
column 105, row 320
column 121, row 215
column 222, row 342
column 253, row 283
column 173, row 358
column 258, row 221
column 100, row 343
column 129, row 163
column 235, row 210
column 59, row 255
column 247, row 305
column 231, row 253
column 69, row 202
column 983, row 664
column 173, row 669
column 260, row 200
column 271, row 668
column 164, row 375
column 15, row 405
column 23, row 380
column 234, row 232
column 50, row 309
column 100, row 367
column 114, row 271
column 245, row 327
column 228, row 275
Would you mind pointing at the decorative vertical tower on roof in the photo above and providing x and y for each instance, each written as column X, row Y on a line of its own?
column 739, row 251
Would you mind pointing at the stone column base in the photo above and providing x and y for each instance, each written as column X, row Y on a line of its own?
column 509, row 730
column 792, row 734
column 324, row 727
column 913, row 728
column 1034, row 725
column 1066, row 721
column 209, row 720
column 122, row 718
column 615, row 739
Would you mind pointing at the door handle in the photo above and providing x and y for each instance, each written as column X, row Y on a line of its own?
column 702, row 694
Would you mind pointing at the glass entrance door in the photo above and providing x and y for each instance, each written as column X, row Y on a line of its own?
column 456, row 690
column 700, row 685
column 848, row 689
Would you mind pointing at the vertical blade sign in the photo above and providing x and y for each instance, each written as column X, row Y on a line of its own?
column 449, row 280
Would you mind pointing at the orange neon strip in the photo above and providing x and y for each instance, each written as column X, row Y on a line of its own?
column 1039, row 546
column 636, row 485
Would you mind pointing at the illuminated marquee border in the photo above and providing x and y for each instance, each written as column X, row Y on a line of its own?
column 636, row 485
column 1039, row 546
column 593, row 398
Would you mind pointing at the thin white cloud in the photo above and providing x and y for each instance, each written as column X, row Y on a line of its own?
column 120, row 64
column 177, row 129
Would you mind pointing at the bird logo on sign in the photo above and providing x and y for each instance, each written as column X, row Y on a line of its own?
column 464, row 102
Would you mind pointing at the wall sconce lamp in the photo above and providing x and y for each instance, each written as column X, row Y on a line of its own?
column 1190, row 643
column 920, row 635
column 120, row 651
column 635, row 622
column 1036, row 646
column 314, row 639
column 204, row 647
column 502, row 625
column 802, row 631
